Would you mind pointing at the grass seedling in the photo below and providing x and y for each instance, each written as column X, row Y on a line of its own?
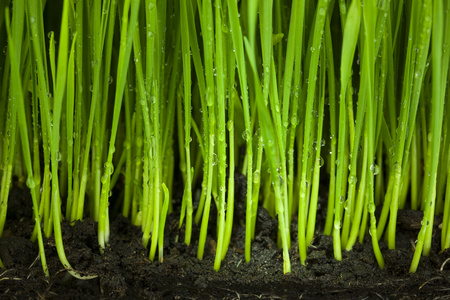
column 137, row 97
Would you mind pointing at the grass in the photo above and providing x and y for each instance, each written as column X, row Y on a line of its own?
column 153, row 94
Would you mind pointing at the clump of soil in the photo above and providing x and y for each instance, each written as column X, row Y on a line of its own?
column 124, row 270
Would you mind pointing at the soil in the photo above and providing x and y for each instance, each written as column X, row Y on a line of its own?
column 124, row 270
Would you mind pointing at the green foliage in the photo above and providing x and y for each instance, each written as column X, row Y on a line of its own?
column 135, row 97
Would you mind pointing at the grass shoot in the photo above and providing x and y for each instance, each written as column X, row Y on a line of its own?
column 136, row 97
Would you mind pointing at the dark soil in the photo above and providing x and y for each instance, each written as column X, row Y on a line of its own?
column 124, row 270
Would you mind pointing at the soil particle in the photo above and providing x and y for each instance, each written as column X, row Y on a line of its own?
column 124, row 270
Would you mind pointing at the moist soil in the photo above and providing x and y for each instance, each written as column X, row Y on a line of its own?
column 124, row 270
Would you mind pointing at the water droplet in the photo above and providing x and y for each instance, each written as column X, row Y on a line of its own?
column 294, row 121
column 374, row 169
column 425, row 222
column 321, row 162
column 109, row 168
column 230, row 125
column 337, row 224
column 209, row 97
column 392, row 150
column 58, row 156
column 245, row 134
column 397, row 166
column 256, row 177
column 224, row 28
column 31, row 184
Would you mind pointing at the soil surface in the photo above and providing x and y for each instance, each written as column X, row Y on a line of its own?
column 124, row 270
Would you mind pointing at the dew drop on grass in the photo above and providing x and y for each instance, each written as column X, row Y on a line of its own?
column 256, row 177
column 425, row 223
column 225, row 28
column 346, row 204
column 214, row 159
column 245, row 134
column 397, row 166
column 58, row 156
column 321, row 162
column 294, row 121
column 371, row 207
column 392, row 150
column 337, row 224
column 110, row 80
column 31, row 184
column 209, row 98
column 374, row 169
column 109, row 168
column 341, row 199
column 230, row 125
column 151, row 5
column 277, row 108
column 352, row 179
